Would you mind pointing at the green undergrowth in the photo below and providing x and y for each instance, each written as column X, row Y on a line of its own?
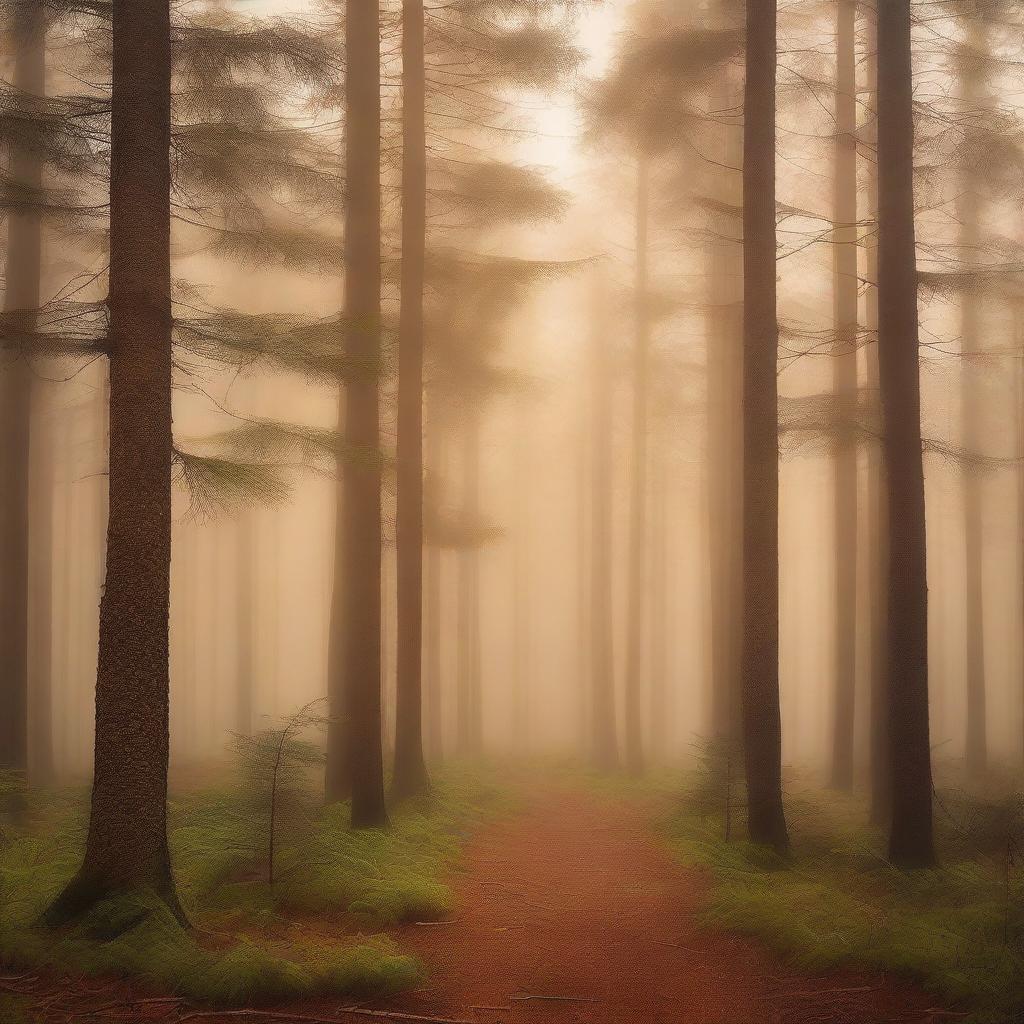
column 314, row 931
column 958, row 930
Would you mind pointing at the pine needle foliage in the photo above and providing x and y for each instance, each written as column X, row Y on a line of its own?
column 278, row 768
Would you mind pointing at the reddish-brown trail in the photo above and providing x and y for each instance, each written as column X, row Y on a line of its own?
column 570, row 911
column 573, row 912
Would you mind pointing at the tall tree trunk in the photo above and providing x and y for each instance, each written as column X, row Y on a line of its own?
column 910, row 839
column 604, row 744
column 1019, row 344
column 762, row 728
column 245, row 682
column 21, row 303
column 969, row 217
column 126, row 845
column 638, row 501
column 410, row 776
column 844, row 370
column 355, row 746
column 582, row 525
column 876, row 487
column 41, row 562
column 432, row 611
column 724, row 440
column 522, row 632
column 658, row 632
column 469, row 720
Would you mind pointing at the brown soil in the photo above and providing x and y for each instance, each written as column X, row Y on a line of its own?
column 573, row 913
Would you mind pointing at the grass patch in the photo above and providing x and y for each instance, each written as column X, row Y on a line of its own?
column 958, row 929
column 251, row 942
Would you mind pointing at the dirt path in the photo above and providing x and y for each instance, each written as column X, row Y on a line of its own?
column 576, row 904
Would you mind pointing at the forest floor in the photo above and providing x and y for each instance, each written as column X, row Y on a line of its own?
column 572, row 910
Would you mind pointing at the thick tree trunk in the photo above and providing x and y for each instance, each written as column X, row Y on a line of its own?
column 910, row 840
column 845, row 302
column 969, row 216
column 603, row 741
column 21, row 303
column 876, row 501
column 410, row 776
column 636, row 612
column 762, row 728
column 355, row 749
column 126, row 845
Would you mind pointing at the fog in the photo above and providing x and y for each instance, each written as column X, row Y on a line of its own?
column 252, row 579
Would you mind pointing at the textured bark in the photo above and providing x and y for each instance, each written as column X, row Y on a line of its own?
column 876, row 501
column 410, row 777
column 355, row 763
column 910, row 840
column 844, row 370
column 969, row 217
column 126, row 845
column 636, row 611
column 762, row 729
column 603, row 741
column 21, row 301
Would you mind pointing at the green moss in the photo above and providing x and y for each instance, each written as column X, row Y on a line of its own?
column 235, row 955
column 956, row 929
column 134, row 935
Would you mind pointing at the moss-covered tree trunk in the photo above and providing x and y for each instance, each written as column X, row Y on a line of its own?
column 910, row 839
column 126, row 847
column 410, row 776
column 762, row 728
column 355, row 763
column 21, row 303
column 846, row 288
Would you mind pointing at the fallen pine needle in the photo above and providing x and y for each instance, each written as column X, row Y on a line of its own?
column 552, row 999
